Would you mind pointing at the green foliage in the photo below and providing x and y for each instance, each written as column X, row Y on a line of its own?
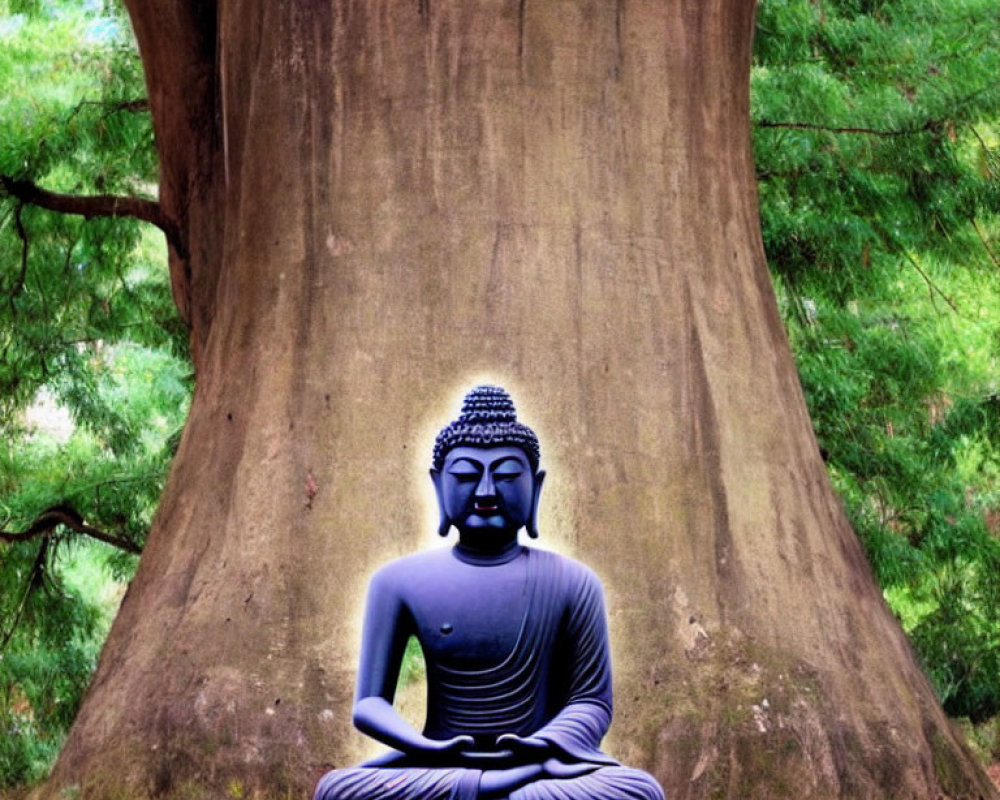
column 876, row 138
column 59, row 592
column 45, row 668
column 894, row 104
column 67, row 123
column 414, row 668
column 88, row 332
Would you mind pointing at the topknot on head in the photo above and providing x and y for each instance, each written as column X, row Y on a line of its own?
column 488, row 419
column 488, row 404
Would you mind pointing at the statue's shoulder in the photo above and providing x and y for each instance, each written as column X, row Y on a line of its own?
column 404, row 569
column 572, row 572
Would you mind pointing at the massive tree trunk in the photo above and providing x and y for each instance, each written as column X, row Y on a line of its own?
column 386, row 202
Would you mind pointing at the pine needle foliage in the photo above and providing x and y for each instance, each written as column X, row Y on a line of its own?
column 89, row 338
column 876, row 137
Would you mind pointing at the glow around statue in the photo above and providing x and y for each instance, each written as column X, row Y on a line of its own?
column 514, row 639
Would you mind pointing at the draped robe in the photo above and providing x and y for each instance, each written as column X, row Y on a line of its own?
column 553, row 684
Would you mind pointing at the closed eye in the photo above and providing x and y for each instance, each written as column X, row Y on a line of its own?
column 507, row 475
column 464, row 477
column 507, row 469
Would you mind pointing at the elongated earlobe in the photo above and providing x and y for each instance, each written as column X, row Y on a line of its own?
column 444, row 526
column 531, row 527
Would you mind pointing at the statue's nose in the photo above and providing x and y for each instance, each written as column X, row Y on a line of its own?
column 486, row 487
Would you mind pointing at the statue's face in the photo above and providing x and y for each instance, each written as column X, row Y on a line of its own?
column 486, row 488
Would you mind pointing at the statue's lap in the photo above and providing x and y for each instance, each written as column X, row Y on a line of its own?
column 459, row 783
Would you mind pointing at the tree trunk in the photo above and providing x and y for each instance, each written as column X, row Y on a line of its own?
column 385, row 203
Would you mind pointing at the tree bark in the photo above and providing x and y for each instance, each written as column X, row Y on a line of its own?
column 385, row 203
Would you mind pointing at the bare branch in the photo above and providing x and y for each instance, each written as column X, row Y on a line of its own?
column 99, row 205
column 28, row 586
column 929, row 125
column 986, row 244
column 990, row 157
column 136, row 106
column 23, row 236
column 809, row 126
column 931, row 286
column 51, row 518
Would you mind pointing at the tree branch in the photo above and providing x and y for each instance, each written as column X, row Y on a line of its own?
column 986, row 244
column 99, row 205
column 28, row 585
column 929, row 125
column 809, row 126
column 23, row 236
column 990, row 157
column 51, row 518
column 137, row 106
column 132, row 106
column 931, row 286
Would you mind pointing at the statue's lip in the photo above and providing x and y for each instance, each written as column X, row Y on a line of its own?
column 491, row 505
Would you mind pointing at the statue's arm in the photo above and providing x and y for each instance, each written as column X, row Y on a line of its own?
column 376, row 717
column 387, row 627
column 575, row 732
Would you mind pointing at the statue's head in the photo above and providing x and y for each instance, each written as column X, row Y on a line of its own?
column 485, row 469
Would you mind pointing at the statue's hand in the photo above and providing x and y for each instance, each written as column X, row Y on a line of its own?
column 554, row 768
column 447, row 747
column 526, row 745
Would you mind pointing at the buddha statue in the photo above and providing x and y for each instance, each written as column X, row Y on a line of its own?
column 514, row 640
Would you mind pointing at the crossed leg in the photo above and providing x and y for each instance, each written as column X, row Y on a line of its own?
column 457, row 783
